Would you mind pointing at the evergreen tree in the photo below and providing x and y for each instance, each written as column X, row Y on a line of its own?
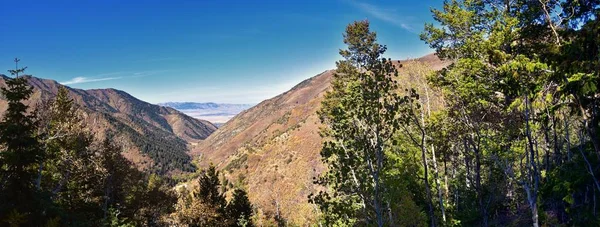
column 206, row 204
column 360, row 113
column 119, row 178
column 65, row 139
column 20, row 151
column 191, row 211
column 156, row 200
column 210, row 197
column 239, row 209
column 210, row 189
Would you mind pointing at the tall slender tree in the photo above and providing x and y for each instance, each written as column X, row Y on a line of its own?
column 20, row 150
column 360, row 114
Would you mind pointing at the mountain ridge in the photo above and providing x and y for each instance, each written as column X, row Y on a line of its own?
column 156, row 138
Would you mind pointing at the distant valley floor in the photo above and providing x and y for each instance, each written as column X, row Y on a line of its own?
column 216, row 113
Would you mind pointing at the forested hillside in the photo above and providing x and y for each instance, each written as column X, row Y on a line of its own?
column 156, row 138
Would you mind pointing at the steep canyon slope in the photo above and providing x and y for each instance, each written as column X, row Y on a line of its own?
column 273, row 148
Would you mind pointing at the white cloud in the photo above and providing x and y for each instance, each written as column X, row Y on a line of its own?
column 112, row 76
column 387, row 15
column 81, row 80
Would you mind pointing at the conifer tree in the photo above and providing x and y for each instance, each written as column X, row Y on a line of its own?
column 65, row 139
column 360, row 114
column 239, row 209
column 210, row 188
column 156, row 200
column 209, row 200
column 20, row 151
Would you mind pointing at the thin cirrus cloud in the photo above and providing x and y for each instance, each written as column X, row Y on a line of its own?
column 111, row 76
column 387, row 15
column 81, row 80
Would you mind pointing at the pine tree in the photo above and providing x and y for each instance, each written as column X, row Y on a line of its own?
column 65, row 139
column 239, row 209
column 210, row 188
column 210, row 198
column 360, row 114
column 119, row 178
column 157, row 199
column 20, row 150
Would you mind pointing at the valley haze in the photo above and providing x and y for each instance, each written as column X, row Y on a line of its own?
column 216, row 113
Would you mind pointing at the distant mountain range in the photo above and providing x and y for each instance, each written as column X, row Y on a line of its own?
column 217, row 113
column 155, row 138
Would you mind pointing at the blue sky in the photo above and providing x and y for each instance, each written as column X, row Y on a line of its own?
column 217, row 51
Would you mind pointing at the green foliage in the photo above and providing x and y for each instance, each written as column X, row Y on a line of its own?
column 521, row 86
column 207, row 205
column 53, row 173
column 570, row 189
column 115, row 221
column 237, row 163
column 505, row 90
column 210, row 189
column 20, row 152
column 15, row 218
column 239, row 209
column 167, row 151
column 408, row 213
column 360, row 113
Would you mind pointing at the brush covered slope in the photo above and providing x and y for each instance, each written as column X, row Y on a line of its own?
column 273, row 149
column 155, row 138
